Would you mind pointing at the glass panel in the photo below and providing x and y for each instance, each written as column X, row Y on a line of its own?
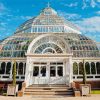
column 98, row 67
column 43, row 71
column 52, row 71
column 2, row 68
column 20, row 69
column 60, row 70
column 8, row 68
column 48, row 48
column 53, row 63
column 36, row 71
column 24, row 68
column 59, row 63
column 93, row 70
column 80, row 68
column 87, row 68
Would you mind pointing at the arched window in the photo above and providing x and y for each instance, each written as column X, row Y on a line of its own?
column 75, row 68
column 87, row 68
column 48, row 48
column 24, row 68
column 8, row 67
column 80, row 68
column 98, row 67
column 93, row 70
column 2, row 68
column 20, row 69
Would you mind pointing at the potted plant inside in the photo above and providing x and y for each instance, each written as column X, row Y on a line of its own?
column 13, row 88
column 85, row 88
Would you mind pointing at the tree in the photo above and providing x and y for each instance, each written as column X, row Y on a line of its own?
column 14, row 74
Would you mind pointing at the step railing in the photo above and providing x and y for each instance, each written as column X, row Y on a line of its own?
column 59, row 80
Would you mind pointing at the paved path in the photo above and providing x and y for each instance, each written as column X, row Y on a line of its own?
column 92, row 97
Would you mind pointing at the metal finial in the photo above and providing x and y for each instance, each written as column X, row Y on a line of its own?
column 48, row 4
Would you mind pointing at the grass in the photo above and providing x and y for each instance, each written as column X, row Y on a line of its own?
column 95, row 92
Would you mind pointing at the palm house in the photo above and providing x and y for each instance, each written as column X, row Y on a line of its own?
column 49, row 50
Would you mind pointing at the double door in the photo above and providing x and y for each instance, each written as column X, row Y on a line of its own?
column 48, row 73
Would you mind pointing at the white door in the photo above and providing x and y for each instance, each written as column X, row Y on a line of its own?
column 49, row 73
column 40, row 73
column 57, row 74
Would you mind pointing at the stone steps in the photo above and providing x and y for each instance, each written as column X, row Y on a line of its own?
column 48, row 90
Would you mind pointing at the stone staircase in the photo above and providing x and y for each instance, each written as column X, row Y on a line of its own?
column 51, row 90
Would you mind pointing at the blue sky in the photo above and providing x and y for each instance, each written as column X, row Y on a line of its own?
column 84, row 13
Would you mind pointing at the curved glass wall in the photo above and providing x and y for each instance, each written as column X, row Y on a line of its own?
column 78, row 44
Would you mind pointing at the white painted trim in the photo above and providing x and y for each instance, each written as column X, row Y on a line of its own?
column 46, row 35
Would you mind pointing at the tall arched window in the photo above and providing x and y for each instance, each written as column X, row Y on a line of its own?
column 93, row 70
column 98, row 67
column 20, row 69
column 80, row 68
column 75, row 68
column 8, row 67
column 87, row 68
column 2, row 68
column 24, row 68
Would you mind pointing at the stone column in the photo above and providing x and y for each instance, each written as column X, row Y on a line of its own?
column 28, row 74
column 70, row 70
column 67, row 71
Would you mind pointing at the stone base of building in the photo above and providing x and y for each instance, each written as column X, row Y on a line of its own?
column 4, row 84
column 94, row 84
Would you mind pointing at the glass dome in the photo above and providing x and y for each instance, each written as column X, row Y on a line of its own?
column 48, row 22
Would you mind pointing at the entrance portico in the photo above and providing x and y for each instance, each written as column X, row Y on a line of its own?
column 49, row 61
column 48, row 69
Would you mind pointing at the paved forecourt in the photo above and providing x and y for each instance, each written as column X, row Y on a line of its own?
column 92, row 97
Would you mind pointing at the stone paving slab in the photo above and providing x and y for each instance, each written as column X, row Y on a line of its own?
column 92, row 97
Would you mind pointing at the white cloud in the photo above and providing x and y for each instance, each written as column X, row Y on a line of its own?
column 98, row 0
column 3, row 24
column 25, row 17
column 68, row 16
column 84, row 5
column 71, row 4
column 93, row 3
column 2, row 7
column 90, row 27
column 90, row 3
column 89, row 24
column 98, row 12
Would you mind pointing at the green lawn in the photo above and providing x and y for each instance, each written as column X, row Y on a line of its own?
column 95, row 92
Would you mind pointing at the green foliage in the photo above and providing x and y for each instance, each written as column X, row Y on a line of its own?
column 75, row 68
column 14, row 74
column 95, row 92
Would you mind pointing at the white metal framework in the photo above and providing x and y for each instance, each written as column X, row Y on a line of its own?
column 47, row 39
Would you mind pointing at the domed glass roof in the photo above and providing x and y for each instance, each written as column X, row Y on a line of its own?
column 48, row 22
